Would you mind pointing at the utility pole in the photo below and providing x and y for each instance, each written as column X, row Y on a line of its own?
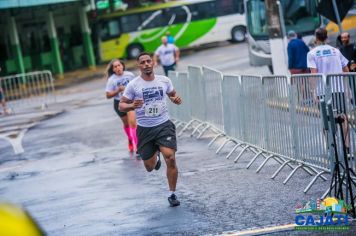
column 337, row 16
column 277, row 37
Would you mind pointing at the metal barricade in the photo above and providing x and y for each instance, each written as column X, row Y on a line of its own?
column 184, row 110
column 172, row 108
column 252, row 100
column 233, row 106
column 281, row 137
column 213, row 95
column 310, row 141
column 197, row 93
column 273, row 116
column 342, row 91
column 276, row 117
column 197, row 102
column 234, row 115
column 28, row 91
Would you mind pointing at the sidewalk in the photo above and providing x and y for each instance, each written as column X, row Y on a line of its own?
column 83, row 75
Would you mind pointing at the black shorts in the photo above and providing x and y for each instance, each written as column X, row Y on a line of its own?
column 168, row 68
column 338, row 102
column 116, row 108
column 150, row 138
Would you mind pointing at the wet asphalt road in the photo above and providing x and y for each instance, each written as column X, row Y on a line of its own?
column 77, row 178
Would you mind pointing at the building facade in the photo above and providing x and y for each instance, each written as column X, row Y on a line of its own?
column 45, row 34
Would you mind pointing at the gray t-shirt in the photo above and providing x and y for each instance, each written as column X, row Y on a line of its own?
column 115, row 81
column 154, row 93
column 166, row 54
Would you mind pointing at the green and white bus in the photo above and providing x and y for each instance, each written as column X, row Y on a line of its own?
column 191, row 22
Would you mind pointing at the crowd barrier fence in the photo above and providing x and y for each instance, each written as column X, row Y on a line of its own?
column 275, row 117
column 29, row 90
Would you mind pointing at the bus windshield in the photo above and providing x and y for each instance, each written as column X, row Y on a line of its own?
column 299, row 15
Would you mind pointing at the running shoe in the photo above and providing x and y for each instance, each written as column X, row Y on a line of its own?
column 173, row 201
column 158, row 164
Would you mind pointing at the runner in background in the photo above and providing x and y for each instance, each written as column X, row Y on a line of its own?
column 117, row 79
column 168, row 55
column 170, row 38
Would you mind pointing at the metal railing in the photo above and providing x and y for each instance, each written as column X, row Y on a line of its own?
column 309, row 142
column 29, row 90
column 212, row 81
column 25, row 93
column 274, row 117
column 342, row 92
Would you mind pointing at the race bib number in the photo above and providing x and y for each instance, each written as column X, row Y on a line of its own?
column 153, row 110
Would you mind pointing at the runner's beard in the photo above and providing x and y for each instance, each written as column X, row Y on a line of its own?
column 148, row 71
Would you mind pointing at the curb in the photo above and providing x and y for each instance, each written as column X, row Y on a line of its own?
column 67, row 82
column 84, row 75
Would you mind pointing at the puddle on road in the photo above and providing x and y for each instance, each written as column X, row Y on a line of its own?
column 12, row 162
column 87, row 163
column 206, row 169
column 20, row 175
column 182, row 153
column 101, row 160
column 13, row 136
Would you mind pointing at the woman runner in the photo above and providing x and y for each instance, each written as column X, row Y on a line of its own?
column 117, row 79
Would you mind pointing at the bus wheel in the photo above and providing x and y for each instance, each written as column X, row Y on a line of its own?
column 134, row 50
column 238, row 33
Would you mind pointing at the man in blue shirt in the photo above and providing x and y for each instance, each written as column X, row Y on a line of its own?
column 297, row 54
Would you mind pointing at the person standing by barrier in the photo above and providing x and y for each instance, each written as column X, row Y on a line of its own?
column 348, row 50
column 117, row 79
column 326, row 59
column 297, row 62
column 297, row 54
column 168, row 55
column 3, row 102
column 146, row 94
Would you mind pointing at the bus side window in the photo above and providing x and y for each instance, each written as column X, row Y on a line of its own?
column 130, row 23
column 153, row 19
column 225, row 7
column 178, row 13
column 239, row 6
column 110, row 29
column 203, row 10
